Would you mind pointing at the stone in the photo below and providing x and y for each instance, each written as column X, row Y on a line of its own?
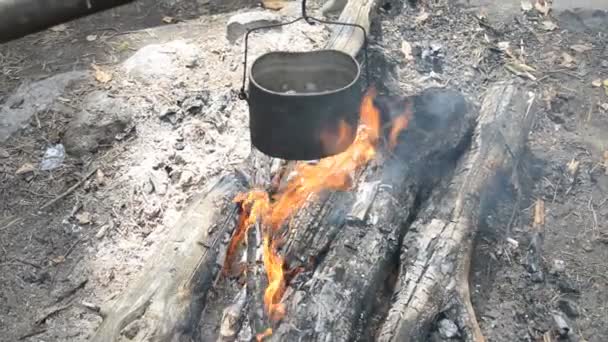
column 447, row 329
column 168, row 112
column 103, row 118
column 568, row 307
column 557, row 267
column 567, row 286
column 194, row 104
column 186, row 179
column 157, row 62
column 240, row 23
column 34, row 97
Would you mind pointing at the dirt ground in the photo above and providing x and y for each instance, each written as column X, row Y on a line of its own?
column 182, row 123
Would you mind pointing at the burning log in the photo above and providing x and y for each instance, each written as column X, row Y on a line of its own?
column 353, row 237
column 167, row 301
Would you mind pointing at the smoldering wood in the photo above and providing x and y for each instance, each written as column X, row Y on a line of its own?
column 436, row 251
column 256, row 281
column 354, row 253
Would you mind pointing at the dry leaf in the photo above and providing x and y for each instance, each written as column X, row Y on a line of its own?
column 543, row 6
column 581, row 47
column 91, row 38
column 526, row 5
column 59, row 28
column 573, row 167
column 604, row 106
column 406, row 48
column 548, row 25
column 168, row 20
column 274, row 5
column 521, row 70
column 58, row 259
column 100, row 75
column 567, row 60
column 25, row 168
column 422, row 17
column 596, row 83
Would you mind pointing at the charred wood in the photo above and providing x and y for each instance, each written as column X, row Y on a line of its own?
column 437, row 248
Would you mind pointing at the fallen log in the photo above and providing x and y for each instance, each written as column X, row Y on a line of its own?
column 436, row 251
column 162, row 305
column 166, row 302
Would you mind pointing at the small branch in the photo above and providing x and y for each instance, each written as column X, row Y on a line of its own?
column 70, row 190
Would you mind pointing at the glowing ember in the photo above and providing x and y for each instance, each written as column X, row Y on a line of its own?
column 262, row 336
column 333, row 173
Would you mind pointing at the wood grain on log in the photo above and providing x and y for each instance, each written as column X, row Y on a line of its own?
column 350, row 39
column 437, row 248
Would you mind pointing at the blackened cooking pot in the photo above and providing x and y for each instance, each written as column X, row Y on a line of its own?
column 299, row 101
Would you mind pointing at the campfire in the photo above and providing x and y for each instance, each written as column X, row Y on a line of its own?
column 307, row 180
column 373, row 243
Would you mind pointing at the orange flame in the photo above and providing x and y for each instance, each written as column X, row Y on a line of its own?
column 399, row 124
column 333, row 173
column 273, row 263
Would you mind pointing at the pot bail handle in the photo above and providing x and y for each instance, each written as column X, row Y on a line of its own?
column 310, row 20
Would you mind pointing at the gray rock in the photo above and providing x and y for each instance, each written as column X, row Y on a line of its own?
column 240, row 23
column 34, row 97
column 568, row 307
column 447, row 329
column 157, row 62
column 103, row 118
column 558, row 266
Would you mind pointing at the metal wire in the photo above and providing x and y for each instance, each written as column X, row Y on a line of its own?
column 311, row 21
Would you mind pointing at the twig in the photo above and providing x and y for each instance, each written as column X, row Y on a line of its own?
column 72, row 291
column 70, row 190
column 10, row 223
column 52, row 312
column 33, row 333
column 27, row 263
